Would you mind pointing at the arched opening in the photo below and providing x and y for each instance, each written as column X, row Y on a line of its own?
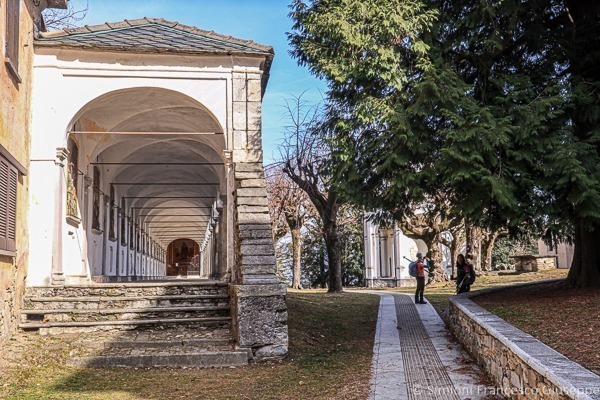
column 152, row 162
column 183, row 258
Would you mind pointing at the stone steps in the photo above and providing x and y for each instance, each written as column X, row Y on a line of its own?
column 106, row 302
column 199, row 360
column 123, row 314
column 130, row 289
column 177, row 324
column 53, row 328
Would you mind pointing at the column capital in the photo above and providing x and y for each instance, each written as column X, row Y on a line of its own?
column 87, row 182
column 228, row 155
column 61, row 155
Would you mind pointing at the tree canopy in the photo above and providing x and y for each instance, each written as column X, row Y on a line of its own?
column 491, row 105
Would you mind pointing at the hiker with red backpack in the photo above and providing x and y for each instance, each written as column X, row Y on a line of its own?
column 465, row 274
column 420, row 272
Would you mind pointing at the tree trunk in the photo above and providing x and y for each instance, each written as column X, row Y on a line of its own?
column 323, row 275
column 458, row 239
column 487, row 246
column 332, row 242
column 436, row 273
column 585, row 269
column 297, row 258
column 474, row 246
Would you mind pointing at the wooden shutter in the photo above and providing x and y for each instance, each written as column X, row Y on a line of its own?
column 8, row 205
column 13, row 177
column 12, row 34
column 3, row 203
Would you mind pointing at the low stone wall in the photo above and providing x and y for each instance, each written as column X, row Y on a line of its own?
column 531, row 263
column 390, row 282
column 521, row 366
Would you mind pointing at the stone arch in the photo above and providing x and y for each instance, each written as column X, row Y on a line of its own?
column 132, row 116
column 147, row 150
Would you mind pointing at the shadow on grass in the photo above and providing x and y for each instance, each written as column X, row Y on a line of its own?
column 510, row 273
column 331, row 342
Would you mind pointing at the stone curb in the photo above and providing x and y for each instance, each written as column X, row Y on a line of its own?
column 569, row 377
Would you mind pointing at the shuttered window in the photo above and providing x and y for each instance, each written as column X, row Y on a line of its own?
column 12, row 37
column 9, row 176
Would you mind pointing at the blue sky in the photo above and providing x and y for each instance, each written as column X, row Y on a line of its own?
column 264, row 21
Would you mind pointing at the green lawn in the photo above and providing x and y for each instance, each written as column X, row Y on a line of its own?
column 331, row 343
column 438, row 294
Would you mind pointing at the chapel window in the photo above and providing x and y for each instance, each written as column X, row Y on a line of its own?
column 111, row 213
column 123, row 223
column 131, row 232
column 72, row 181
column 96, row 200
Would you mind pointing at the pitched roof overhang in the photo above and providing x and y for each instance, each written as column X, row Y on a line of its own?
column 155, row 35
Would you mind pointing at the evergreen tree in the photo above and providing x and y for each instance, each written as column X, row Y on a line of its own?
column 490, row 104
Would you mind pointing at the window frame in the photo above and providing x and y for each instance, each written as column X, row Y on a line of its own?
column 12, row 36
column 9, row 192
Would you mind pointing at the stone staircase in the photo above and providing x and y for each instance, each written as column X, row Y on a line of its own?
column 149, row 324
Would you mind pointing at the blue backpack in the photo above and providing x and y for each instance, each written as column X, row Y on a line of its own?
column 412, row 269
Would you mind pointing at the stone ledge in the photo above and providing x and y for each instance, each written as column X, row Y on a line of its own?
column 249, row 167
column 491, row 341
column 259, row 290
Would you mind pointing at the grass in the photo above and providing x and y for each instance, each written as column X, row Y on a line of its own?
column 564, row 318
column 331, row 343
column 439, row 293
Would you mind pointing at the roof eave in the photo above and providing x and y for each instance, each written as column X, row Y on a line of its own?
column 49, row 44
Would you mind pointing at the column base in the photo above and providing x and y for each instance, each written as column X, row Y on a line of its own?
column 58, row 278
column 260, row 316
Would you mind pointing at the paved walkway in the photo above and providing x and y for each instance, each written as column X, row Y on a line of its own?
column 416, row 358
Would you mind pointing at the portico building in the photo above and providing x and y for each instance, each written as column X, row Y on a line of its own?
column 146, row 163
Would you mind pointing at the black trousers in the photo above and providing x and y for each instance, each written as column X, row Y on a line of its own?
column 464, row 288
column 420, row 289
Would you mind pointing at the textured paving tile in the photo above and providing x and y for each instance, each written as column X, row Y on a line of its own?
column 425, row 373
column 415, row 358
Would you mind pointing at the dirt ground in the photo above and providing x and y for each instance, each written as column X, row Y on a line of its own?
column 564, row 318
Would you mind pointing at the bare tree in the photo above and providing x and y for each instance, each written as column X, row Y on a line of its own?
column 55, row 18
column 305, row 154
column 289, row 208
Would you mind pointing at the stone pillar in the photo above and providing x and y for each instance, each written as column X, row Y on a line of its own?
column 229, row 215
column 258, row 300
column 58, row 277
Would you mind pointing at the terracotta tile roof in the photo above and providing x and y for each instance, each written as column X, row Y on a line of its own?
column 151, row 35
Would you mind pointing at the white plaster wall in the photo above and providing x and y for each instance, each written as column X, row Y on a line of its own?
column 399, row 244
column 42, row 212
column 408, row 249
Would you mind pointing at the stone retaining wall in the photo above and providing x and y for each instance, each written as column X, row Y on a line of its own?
column 533, row 263
column 390, row 282
column 521, row 366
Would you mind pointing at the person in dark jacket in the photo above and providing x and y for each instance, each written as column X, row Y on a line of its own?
column 420, row 279
column 464, row 274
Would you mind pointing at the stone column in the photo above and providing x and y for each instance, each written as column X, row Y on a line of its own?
column 229, row 215
column 258, row 300
column 58, row 277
